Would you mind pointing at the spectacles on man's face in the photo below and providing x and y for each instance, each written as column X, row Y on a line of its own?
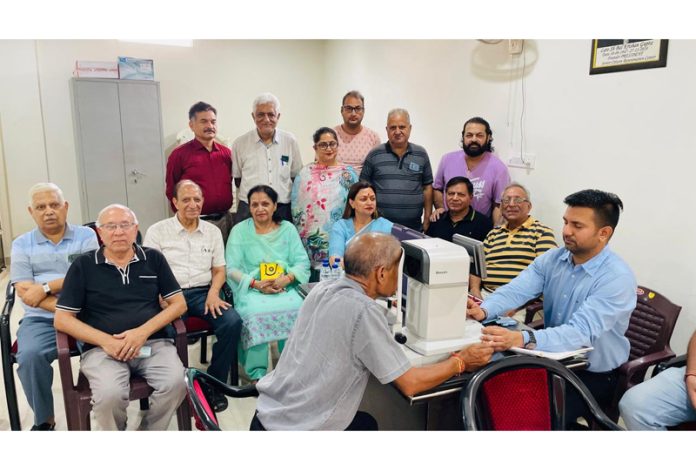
column 112, row 227
column 353, row 109
column 327, row 145
column 513, row 200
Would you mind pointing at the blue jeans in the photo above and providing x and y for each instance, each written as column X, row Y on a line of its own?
column 227, row 329
column 36, row 343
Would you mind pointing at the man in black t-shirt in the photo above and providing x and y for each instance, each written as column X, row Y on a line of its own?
column 110, row 301
column 460, row 217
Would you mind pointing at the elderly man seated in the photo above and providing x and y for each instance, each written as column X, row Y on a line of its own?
column 512, row 246
column 110, row 301
column 321, row 378
column 40, row 259
column 194, row 250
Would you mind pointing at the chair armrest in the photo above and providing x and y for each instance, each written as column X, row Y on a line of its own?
column 633, row 372
column 678, row 361
column 531, row 310
column 229, row 390
column 227, row 294
column 180, row 341
column 64, row 364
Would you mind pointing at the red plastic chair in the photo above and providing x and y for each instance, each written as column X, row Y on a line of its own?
column 525, row 393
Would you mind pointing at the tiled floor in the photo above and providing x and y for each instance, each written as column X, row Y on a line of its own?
column 236, row 417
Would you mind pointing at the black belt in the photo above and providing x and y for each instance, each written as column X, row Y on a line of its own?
column 194, row 288
column 213, row 216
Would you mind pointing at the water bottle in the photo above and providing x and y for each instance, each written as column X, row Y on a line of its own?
column 335, row 271
column 325, row 272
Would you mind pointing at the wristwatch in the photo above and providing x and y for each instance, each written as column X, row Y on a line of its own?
column 531, row 344
column 46, row 288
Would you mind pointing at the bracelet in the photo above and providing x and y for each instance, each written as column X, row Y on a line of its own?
column 253, row 281
column 690, row 374
column 460, row 363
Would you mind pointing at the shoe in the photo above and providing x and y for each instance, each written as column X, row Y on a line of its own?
column 44, row 427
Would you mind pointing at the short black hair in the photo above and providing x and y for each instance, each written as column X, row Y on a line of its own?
column 199, row 108
column 606, row 206
column 489, row 132
column 271, row 193
column 460, row 180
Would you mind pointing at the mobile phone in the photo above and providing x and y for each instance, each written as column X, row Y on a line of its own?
column 145, row 351
column 475, row 299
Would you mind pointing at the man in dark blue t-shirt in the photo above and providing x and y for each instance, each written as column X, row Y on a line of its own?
column 110, row 301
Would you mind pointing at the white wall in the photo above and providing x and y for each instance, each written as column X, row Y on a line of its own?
column 629, row 133
column 35, row 102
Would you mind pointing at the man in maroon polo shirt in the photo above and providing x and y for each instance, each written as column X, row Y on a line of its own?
column 208, row 164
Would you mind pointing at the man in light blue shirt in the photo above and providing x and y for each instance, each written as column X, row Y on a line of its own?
column 589, row 295
column 40, row 259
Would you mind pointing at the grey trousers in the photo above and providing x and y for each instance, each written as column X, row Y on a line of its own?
column 109, row 381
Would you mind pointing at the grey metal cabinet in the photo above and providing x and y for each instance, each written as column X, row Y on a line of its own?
column 118, row 131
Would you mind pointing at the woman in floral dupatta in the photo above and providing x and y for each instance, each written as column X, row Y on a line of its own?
column 265, row 263
column 319, row 195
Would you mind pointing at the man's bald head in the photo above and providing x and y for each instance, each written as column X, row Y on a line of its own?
column 369, row 251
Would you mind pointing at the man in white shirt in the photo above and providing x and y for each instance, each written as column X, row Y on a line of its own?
column 265, row 155
column 194, row 250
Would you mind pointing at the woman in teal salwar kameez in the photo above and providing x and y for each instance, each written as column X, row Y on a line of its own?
column 268, row 305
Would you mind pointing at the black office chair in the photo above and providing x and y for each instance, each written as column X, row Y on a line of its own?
column 525, row 393
column 198, row 385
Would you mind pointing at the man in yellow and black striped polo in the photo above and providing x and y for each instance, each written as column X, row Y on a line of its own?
column 512, row 246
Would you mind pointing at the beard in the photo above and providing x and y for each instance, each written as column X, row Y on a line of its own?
column 474, row 149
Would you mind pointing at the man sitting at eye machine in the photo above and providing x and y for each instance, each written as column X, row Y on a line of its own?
column 589, row 294
column 321, row 378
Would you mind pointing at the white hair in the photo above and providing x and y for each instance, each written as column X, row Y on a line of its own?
column 401, row 112
column 44, row 188
column 515, row 184
column 115, row 206
column 266, row 98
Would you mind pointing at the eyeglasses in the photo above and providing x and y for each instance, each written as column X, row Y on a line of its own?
column 112, row 227
column 327, row 145
column 516, row 200
column 353, row 109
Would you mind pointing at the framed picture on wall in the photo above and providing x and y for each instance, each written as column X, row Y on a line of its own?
column 620, row 55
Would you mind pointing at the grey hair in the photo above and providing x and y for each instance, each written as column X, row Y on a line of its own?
column 400, row 111
column 265, row 98
column 44, row 188
column 368, row 251
column 183, row 183
column 515, row 184
column 115, row 206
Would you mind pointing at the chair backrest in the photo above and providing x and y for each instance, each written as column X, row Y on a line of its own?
column 652, row 323
column 524, row 393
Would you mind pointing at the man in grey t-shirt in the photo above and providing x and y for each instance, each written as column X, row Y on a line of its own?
column 340, row 337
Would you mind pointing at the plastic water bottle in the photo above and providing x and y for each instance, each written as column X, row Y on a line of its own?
column 335, row 271
column 325, row 272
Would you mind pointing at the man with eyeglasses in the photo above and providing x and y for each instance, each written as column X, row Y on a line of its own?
column 111, row 303
column 206, row 162
column 460, row 217
column 355, row 139
column 476, row 161
column 40, row 259
column 266, row 155
column 401, row 173
column 515, row 244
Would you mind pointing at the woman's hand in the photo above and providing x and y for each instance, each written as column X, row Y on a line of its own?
column 281, row 282
column 267, row 287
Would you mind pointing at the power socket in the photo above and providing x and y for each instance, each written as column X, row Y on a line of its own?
column 526, row 161
column 515, row 46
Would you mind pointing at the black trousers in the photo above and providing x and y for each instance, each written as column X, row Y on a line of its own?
column 361, row 422
column 602, row 385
